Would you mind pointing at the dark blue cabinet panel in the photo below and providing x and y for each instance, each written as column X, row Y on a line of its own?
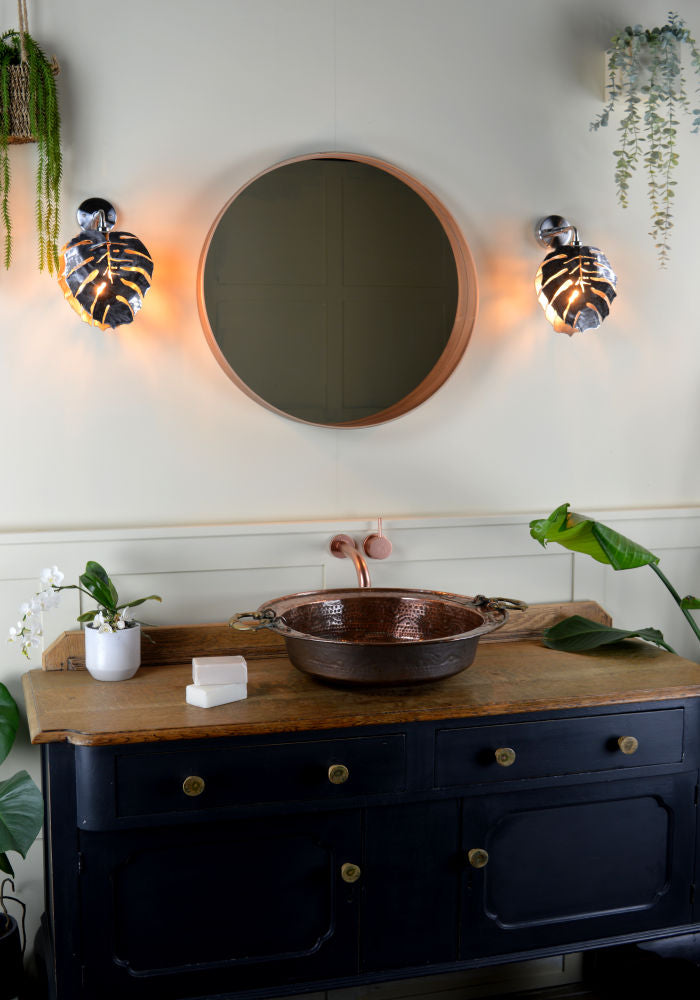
column 578, row 864
column 238, row 905
column 581, row 745
column 410, row 886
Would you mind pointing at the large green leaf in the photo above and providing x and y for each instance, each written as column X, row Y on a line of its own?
column 97, row 582
column 578, row 635
column 582, row 534
column 9, row 720
column 21, row 813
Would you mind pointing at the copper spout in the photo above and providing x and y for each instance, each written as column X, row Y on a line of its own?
column 344, row 547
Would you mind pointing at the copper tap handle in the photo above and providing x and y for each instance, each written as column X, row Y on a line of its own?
column 377, row 545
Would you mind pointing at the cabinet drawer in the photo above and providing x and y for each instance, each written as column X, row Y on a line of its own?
column 327, row 770
column 558, row 746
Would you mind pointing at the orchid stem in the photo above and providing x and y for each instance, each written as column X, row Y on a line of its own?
column 677, row 598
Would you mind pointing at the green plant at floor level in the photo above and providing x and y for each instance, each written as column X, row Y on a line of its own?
column 17, row 50
column 646, row 76
column 581, row 534
column 21, row 804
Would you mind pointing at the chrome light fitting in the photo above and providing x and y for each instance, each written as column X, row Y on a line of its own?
column 104, row 274
column 575, row 284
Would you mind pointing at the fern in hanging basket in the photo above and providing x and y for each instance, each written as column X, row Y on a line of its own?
column 29, row 113
column 646, row 76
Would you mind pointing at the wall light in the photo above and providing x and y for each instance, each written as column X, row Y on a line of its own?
column 575, row 284
column 104, row 275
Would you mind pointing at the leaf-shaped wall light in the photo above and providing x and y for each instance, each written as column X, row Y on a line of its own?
column 104, row 274
column 575, row 284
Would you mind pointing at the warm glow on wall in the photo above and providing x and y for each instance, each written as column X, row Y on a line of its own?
column 575, row 284
column 104, row 275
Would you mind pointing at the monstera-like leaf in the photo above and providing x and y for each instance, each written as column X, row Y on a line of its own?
column 575, row 285
column 105, row 275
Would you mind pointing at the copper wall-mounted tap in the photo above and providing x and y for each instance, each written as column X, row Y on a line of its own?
column 345, row 547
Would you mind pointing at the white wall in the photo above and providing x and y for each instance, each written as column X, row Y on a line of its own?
column 169, row 105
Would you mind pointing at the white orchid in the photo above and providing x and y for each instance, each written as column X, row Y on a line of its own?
column 28, row 630
column 124, row 618
column 45, row 600
column 51, row 577
column 95, row 584
column 101, row 624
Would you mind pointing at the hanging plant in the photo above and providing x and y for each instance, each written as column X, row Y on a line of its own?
column 647, row 78
column 29, row 113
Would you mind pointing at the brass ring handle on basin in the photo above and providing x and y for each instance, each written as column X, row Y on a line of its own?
column 350, row 872
column 628, row 744
column 266, row 619
column 193, row 785
column 338, row 774
column 505, row 756
column 501, row 603
column 478, row 857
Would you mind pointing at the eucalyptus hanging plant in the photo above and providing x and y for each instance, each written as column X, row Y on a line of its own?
column 29, row 112
column 646, row 76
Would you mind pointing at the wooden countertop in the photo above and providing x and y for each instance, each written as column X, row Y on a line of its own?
column 505, row 678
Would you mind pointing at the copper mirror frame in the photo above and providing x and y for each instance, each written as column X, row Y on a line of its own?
column 465, row 313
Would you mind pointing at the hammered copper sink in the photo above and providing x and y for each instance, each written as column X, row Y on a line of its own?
column 379, row 635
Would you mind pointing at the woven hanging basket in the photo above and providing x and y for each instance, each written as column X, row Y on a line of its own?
column 20, row 123
column 20, row 127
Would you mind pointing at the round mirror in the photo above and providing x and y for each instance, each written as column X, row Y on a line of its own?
column 337, row 290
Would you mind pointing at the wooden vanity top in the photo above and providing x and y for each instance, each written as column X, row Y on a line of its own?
column 505, row 678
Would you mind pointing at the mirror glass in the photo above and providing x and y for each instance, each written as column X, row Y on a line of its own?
column 337, row 290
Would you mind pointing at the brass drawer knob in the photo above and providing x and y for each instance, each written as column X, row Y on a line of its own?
column 350, row 872
column 338, row 774
column 505, row 756
column 193, row 785
column 628, row 744
column 478, row 857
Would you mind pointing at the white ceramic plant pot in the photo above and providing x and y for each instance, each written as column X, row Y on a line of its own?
column 113, row 656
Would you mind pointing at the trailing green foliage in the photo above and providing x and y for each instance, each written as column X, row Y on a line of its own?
column 45, row 124
column 592, row 538
column 21, row 804
column 646, row 76
column 577, row 634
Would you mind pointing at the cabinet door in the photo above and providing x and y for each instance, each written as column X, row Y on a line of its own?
column 173, row 912
column 566, row 865
column 410, row 885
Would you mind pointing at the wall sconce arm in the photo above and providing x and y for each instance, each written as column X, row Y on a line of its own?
column 556, row 231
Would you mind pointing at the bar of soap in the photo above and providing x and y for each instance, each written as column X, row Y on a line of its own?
column 219, row 670
column 211, row 695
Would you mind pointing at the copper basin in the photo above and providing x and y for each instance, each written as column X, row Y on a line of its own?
column 378, row 635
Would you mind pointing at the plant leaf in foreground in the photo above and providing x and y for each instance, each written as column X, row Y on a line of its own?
column 578, row 635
